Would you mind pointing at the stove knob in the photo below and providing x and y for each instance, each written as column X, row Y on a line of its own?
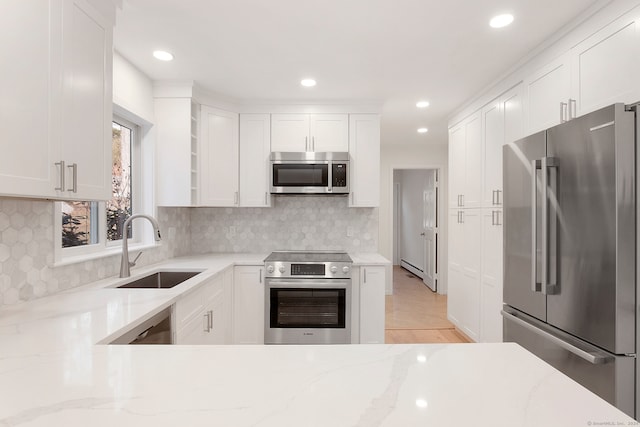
column 270, row 269
column 281, row 269
column 345, row 269
column 334, row 269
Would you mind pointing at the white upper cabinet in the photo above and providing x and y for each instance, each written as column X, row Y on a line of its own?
column 56, row 92
column 600, row 70
column 87, row 102
column 309, row 132
column 329, row 132
column 502, row 122
column 255, row 147
column 456, row 165
column 465, row 163
column 176, row 151
column 218, row 158
column 548, row 93
column 364, row 152
column 605, row 66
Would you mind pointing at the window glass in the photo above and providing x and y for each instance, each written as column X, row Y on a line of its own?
column 119, row 207
column 79, row 224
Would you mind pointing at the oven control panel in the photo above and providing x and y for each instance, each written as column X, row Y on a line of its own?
column 326, row 270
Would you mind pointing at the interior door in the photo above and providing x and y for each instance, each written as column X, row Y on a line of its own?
column 520, row 253
column 430, row 209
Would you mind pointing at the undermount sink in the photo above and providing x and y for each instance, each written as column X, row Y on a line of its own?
column 160, row 280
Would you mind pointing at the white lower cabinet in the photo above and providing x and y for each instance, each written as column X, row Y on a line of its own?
column 248, row 305
column 491, row 282
column 463, row 302
column 202, row 317
column 371, row 282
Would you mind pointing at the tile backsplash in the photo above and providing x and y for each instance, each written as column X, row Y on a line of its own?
column 292, row 223
column 26, row 251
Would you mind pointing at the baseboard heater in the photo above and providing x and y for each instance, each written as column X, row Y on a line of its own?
column 412, row 268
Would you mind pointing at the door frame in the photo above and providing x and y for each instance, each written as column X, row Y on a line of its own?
column 440, row 230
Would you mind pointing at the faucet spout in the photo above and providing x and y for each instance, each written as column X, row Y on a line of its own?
column 125, row 264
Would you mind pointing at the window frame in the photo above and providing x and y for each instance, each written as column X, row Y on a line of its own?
column 141, row 181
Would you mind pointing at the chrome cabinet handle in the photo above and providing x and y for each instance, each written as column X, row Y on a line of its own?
column 260, row 278
column 306, row 143
column 235, row 198
column 495, row 218
column 535, row 285
column 266, row 196
column 498, row 202
column 595, row 357
column 563, row 112
column 206, row 322
column 313, row 143
column 74, row 169
column 364, row 272
column 62, row 171
column 210, row 320
column 572, row 109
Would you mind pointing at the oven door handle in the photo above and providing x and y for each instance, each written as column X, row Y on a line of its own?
column 308, row 283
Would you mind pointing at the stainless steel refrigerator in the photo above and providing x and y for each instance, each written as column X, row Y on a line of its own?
column 570, row 250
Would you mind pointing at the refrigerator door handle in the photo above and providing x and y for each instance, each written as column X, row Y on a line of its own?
column 535, row 285
column 548, row 282
column 593, row 357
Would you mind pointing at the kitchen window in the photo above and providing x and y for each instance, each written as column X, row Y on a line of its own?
column 91, row 229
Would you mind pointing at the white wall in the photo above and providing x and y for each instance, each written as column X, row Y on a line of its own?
column 413, row 184
column 408, row 157
column 132, row 90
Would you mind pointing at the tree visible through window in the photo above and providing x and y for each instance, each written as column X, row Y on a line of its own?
column 80, row 220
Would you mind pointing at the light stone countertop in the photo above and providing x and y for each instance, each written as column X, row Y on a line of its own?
column 52, row 373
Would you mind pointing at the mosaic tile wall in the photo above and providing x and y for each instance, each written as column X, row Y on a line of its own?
column 26, row 251
column 292, row 223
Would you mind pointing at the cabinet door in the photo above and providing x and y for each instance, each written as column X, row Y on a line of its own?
column 491, row 288
column 456, row 165
column 455, row 306
column 493, row 138
column 248, row 305
column 372, row 311
column 255, row 147
column 196, row 332
column 216, row 310
column 364, row 152
column 290, row 132
column 176, row 158
column 29, row 68
column 511, row 104
column 329, row 132
column 605, row 66
column 219, row 153
column 87, row 102
column 472, row 194
column 471, row 266
column 546, row 89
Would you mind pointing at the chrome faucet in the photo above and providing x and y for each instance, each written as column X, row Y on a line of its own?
column 125, row 265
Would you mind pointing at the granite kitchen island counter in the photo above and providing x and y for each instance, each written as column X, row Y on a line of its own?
column 52, row 373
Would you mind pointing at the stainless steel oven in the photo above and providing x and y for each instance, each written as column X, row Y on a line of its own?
column 307, row 298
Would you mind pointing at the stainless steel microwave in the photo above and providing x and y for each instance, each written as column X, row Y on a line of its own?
column 309, row 173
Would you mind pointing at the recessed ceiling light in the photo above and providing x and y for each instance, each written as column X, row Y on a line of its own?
column 500, row 21
column 423, row 130
column 422, row 104
column 308, row 82
column 162, row 55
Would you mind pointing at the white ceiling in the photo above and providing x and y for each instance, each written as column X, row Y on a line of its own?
column 392, row 51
